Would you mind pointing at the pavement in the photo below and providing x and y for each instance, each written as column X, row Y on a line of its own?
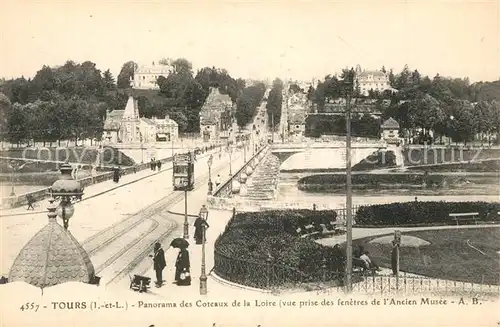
column 103, row 205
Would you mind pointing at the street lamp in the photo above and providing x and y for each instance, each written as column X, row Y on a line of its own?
column 230, row 151
column 203, row 276
column 348, row 190
column 66, row 189
column 209, row 163
column 15, row 166
column 142, row 148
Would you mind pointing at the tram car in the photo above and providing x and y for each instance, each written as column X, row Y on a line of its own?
column 183, row 171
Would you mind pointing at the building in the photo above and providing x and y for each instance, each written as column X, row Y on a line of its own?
column 125, row 126
column 390, row 131
column 366, row 80
column 158, row 130
column 216, row 116
column 146, row 76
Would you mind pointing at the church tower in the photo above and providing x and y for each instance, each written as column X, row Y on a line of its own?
column 130, row 122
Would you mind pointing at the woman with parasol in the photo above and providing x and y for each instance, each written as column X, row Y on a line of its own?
column 182, row 264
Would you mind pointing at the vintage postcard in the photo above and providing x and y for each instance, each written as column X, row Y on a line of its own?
column 249, row 163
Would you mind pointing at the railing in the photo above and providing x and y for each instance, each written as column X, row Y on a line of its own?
column 225, row 189
column 266, row 274
column 41, row 194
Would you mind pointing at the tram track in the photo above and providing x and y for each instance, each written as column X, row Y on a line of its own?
column 133, row 252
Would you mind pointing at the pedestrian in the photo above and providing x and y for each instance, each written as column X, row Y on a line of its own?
column 159, row 263
column 182, row 265
column 158, row 164
column 200, row 230
column 116, row 175
column 153, row 164
column 217, row 181
column 30, row 199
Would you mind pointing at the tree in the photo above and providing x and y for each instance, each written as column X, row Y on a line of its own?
column 247, row 103
column 425, row 112
column 126, row 74
column 5, row 108
column 274, row 102
column 108, row 80
column 182, row 66
column 165, row 61
column 17, row 124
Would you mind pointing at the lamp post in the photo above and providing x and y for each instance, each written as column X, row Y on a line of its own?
column 348, row 190
column 209, row 163
column 230, row 151
column 15, row 166
column 203, row 276
column 186, row 223
column 142, row 149
column 66, row 189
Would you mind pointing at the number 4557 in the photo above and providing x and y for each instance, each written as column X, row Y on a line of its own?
column 30, row 306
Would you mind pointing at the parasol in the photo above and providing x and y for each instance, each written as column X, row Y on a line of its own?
column 179, row 243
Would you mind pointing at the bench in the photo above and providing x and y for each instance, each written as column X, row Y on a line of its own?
column 469, row 216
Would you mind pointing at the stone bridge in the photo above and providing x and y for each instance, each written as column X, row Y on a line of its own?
column 315, row 156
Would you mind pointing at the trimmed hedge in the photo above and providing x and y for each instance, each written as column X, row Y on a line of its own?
column 417, row 212
column 377, row 160
column 251, row 236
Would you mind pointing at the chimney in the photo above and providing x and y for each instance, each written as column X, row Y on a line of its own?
column 167, row 118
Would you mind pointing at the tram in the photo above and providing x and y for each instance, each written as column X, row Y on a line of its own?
column 183, row 171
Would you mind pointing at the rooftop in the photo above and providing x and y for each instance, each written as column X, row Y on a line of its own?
column 390, row 123
column 53, row 256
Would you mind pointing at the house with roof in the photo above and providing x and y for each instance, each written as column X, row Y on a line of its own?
column 376, row 80
column 215, row 115
column 125, row 126
column 390, row 131
column 146, row 76
column 159, row 130
column 122, row 126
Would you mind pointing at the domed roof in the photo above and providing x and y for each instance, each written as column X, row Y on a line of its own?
column 53, row 256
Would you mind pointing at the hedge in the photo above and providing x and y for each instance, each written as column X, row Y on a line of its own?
column 428, row 213
column 324, row 182
column 251, row 236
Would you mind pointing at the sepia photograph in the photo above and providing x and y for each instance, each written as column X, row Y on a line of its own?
column 249, row 163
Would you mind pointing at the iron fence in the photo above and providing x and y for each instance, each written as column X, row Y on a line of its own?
column 267, row 274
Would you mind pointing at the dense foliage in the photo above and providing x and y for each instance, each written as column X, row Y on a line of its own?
column 248, row 102
column 250, row 239
column 444, row 105
column 418, row 213
column 275, row 102
column 326, row 182
column 70, row 102
column 361, row 125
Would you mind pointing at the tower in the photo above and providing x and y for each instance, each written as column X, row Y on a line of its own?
column 130, row 122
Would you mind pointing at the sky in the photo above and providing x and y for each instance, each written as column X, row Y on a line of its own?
column 256, row 39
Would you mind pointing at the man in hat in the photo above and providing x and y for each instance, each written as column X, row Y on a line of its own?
column 159, row 263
